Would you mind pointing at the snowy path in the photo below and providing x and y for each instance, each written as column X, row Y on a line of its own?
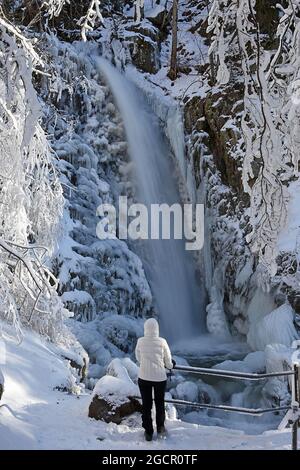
column 38, row 417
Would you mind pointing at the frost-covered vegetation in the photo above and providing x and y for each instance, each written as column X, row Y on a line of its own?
column 230, row 115
column 31, row 195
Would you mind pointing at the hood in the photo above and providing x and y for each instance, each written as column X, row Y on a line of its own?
column 151, row 327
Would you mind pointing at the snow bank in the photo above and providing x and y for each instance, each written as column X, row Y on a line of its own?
column 276, row 327
column 107, row 337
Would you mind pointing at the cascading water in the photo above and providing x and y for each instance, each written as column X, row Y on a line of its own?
column 169, row 267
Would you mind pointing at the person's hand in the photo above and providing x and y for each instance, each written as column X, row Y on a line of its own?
column 174, row 363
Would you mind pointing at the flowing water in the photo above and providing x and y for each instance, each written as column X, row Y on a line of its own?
column 169, row 267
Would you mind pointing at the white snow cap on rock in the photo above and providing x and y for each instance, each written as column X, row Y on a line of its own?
column 117, row 385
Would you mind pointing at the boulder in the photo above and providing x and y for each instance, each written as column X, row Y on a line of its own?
column 145, row 28
column 143, row 42
column 113, row 395
column 144, row 53
column 106, row 411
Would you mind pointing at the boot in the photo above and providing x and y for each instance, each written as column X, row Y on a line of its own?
column 148, row 436
column 161, row 431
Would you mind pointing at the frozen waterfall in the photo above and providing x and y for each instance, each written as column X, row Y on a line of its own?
column 170, row 269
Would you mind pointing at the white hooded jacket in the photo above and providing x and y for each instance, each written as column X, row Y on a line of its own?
column 153, row 353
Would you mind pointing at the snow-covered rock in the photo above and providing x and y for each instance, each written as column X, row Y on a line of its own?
column 159, row 16
column 276, row 327
column 113, row 394
column 124, row 369
column 254, row 362
column 278, row 357
column 187, row 391
column 96, row 371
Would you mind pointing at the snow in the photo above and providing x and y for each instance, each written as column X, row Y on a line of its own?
column 288, row 238
column 37, row 415
column 154, row 12
column 114, row 390
column 216, row 319
column 187, row 391
column 118, row 385
column 253, row 362
column 208, row 348
column 275, row 327
column 34, row 415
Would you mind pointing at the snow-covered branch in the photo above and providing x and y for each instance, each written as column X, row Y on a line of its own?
column 54, row 7
column 88, row 21
column 26, row 43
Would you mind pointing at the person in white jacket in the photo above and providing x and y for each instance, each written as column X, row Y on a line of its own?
column 154, row 356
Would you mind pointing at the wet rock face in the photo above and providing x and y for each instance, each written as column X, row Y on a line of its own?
column 214, row 149
column 143, row 42
column 160, row 19
column 100, row 409
column 210, row 115
column 144, row 54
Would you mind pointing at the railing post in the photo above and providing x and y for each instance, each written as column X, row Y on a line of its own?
column 295, row 408
column 295, row 394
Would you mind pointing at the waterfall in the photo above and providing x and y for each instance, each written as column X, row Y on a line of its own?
column 170, row 268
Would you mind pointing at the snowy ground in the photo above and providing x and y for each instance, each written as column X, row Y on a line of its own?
column 34, row 416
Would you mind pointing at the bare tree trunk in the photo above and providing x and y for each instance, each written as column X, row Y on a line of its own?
column 138, row 10
column 172, row 74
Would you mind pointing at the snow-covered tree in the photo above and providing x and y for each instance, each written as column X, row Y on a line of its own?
column 30, row 194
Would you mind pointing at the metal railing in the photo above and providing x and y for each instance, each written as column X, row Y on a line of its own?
column 292, row 417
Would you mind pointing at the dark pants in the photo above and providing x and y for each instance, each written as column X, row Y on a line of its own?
column 159, row 398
